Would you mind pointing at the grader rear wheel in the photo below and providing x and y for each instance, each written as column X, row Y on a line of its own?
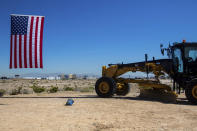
column 191, row 93
column 124, row 90
column 105, row 87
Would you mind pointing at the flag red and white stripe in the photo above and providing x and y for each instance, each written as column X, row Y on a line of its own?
column 26, row 41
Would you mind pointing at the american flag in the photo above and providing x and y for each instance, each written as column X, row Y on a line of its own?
column 26, row 41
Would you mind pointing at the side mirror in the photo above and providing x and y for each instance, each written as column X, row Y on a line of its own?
column 168, row 50
column 162, row 49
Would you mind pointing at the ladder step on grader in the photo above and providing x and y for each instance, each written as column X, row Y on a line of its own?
column 181, row 67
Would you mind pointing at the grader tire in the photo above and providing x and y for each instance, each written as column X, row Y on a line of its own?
column 191, row 94
column 105, row 87
column 124, row 91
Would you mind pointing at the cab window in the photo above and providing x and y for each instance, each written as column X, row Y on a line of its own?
column 191, row 53
column 178, row 60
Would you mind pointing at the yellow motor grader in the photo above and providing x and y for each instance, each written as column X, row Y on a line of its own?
column 181, row 66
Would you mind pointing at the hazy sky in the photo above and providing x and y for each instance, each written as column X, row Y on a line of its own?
column 82, row 35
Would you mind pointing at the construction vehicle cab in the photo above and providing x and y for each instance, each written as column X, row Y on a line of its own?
column 181, row 66
column 184, row 57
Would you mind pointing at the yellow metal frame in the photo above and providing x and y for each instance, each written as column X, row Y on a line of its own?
column 114, row 72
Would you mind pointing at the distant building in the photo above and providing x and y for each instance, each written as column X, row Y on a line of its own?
column 91, row 78
column 50, row 78
column 38, row 78
column 57, row 78
column 66, row 77
column 28, row 77
column 63, row 77
column 53, row 78
column 35, row 78
column 72, row 76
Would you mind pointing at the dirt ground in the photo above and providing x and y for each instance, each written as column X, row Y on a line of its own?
column 46, row 112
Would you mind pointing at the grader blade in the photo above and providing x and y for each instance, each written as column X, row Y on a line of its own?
column 158, row 95
column 153, row 89
column 157, row 91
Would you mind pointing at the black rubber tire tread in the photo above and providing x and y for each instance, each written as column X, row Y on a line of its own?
column 112, row 86
column 188, row 94
column 125, row 90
